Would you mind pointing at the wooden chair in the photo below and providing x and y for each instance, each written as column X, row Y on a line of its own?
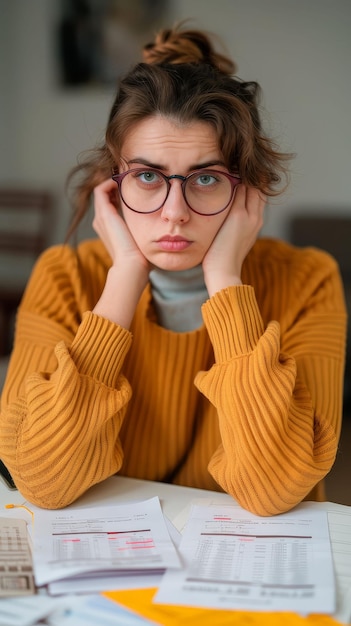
column 26, row 218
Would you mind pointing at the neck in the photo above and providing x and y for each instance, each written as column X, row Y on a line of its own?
column 178, row 297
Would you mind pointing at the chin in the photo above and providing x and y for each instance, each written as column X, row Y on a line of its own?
column 175, row 263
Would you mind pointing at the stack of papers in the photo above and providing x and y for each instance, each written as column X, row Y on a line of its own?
column 236, row 560
column 90, row 549
column 229, row 558
column 226, row 564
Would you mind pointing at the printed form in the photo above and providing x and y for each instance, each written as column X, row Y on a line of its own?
column 234, row 560
column 124, row 538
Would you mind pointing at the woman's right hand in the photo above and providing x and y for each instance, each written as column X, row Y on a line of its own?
column 129, row 272
column 112, row 229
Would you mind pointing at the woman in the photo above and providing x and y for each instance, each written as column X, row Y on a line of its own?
column 178, row 346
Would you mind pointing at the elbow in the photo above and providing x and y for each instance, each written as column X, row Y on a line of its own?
column 276, row 495
column 44, row 498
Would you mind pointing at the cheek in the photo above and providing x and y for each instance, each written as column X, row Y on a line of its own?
column 136, row 225
column 211, row 226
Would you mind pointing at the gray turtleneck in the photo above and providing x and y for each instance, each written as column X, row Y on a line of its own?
column 178, row 297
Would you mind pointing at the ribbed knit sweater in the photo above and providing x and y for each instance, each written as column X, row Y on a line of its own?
column 249, row 403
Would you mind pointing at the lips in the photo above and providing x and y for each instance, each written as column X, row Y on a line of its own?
column 173, row 243
column 172, row 238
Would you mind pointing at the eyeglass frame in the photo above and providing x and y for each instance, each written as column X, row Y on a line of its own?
column 118, row 178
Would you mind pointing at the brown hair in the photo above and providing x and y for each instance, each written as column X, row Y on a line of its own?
column 184, row 78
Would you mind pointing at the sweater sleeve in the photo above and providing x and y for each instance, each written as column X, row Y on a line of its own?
column 64, row 399
column 278, row 396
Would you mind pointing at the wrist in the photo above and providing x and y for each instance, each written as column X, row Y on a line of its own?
column 222, row 281
column 121, row 295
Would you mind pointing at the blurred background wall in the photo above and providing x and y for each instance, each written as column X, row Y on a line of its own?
column 298, row 50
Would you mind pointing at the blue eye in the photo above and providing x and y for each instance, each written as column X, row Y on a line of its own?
column 148, row 177
column 206, row 179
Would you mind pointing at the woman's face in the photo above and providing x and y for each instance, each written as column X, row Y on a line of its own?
column 173, row 238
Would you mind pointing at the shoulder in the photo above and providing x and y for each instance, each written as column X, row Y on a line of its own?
column 68, row 271
column 275, row 253
column 93, row 249
column 288, row 279
column 64, row 257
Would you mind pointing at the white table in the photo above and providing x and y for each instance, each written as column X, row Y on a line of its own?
column 120, row 489
column 176, row 501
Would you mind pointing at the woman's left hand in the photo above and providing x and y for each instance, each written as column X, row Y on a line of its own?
column 223, row 261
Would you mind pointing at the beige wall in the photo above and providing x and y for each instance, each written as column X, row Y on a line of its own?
column 299, row 51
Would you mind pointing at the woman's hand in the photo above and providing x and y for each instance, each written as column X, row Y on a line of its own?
column 223, row 261
column 112, row 229
column 129, row 272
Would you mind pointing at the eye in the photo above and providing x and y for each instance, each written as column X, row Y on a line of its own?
column 148, row 177
column 205, row 179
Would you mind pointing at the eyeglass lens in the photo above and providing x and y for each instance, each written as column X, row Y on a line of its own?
column 205, row 192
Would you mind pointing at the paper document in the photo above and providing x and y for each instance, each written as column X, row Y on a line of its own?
column 339, row 518
column 32, row 610
column 94, row 610
column 89, row 583
column 236, row 560
column 68, row 610
column 105, row 582
column 124, row 538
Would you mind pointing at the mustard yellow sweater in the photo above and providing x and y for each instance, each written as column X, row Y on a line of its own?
column 250, row 403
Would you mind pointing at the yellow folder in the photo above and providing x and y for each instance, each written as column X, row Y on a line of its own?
column 140, row 601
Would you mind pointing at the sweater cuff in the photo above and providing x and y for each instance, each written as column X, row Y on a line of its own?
column 99, row 348
column 233, row 322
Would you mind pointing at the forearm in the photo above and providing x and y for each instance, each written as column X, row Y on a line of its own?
column 121, row 295
column 275, row 445
column 275, row 448
column 60, row 436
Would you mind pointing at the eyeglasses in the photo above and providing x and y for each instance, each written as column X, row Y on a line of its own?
column 206, row 192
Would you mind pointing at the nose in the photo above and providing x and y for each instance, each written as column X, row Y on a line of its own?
column 175, row 209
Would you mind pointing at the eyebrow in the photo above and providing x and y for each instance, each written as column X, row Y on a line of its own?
column 159, row 166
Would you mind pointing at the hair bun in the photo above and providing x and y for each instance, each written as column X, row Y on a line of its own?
column 186, row 46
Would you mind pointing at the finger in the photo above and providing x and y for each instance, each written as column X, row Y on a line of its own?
column 244, row 193
column 240, row 206
column 107, row 191
column 104, row 208
column 106, row 185
column 256, row 197
column 252, row 203
column 239, row 197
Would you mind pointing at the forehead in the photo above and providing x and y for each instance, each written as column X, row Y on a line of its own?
column 160, row 137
